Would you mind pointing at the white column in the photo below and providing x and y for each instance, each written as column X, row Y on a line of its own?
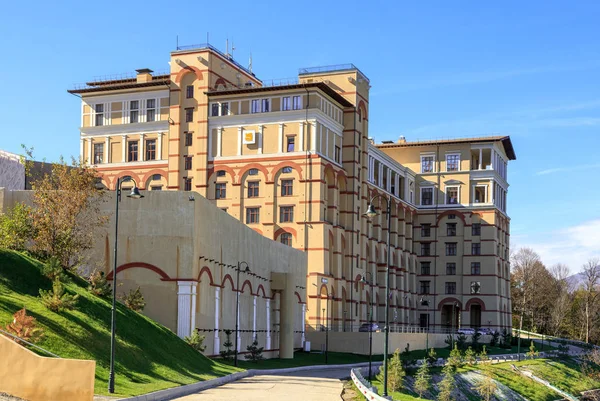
column 326, row 152
column 240, row 133
column 260, row 139
column 159, row 146
column 303, row 324
column 216, row 344
column 184, row 307
column 301, row 137
column 219, row 139
column 141, row 158
column 107, row 150
column 89, row 152
column 280, row 138
column 397, row 185
column 480, row 158
column 380, row 183
column 123, row 148
column 194, row 287
column 268, row 341
column 254, row 317
column 313, row 136
column 493, row 188
column 239, row 338
column 81, row 150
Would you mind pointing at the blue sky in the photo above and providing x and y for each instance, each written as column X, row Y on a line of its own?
column 440, row 69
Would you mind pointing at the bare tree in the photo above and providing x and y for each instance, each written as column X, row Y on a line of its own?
column 524, row 263
column 591, row 276
column 562, row 304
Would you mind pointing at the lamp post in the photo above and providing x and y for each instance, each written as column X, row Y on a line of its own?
column 237, row 306
column 324, row 318
column 135, row 194
column 365, row 281
column 425, row 302
column 454, row 305
column 371, row 212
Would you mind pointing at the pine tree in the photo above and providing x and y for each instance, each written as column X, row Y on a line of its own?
column 532, row 352
column 486, row 387
column 483, row 357
column 432, row 356
column 255, row 352
column 227, row 352
column 196, row 341
column 447, row 385
column 470, row 356
column 24, row 327
column 455, row 360
column 56, row 299
column 422, row 379
column 395, row 372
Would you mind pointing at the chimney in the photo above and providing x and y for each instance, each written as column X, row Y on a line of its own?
column 144, row 75
column 402, row 139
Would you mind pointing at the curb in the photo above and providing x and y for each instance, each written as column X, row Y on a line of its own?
column 181, row 391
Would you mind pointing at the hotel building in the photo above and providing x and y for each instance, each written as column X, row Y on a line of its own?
column 294, row 161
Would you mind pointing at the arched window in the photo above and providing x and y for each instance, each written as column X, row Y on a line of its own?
column 286, row 170
column 286, row 239
column 253, row 171
column 221, row 173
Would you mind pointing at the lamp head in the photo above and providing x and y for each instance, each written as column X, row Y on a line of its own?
column 371, row 212
column 135, row 193
column 363, row 280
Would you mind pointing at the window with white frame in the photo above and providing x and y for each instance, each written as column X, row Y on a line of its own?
column 285, row 103
column 453, row 162
column 99, row 115
column 225, row 108
column 150, row 110
column 480, row 194
column 427, row 196
column 427, row 164
column 265, row 105
column 214, row 110
column 452, row 195
column 134, row 111
column 255, row 106
column 297, row 102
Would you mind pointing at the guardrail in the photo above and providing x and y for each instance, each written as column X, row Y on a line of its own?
column 28, row 343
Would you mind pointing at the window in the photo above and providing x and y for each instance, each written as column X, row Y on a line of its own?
column 255, row 106
column 252, row 215
column 221, row 173
column 99, row 108
column 187, row 162
column 189, row 91
column 253, row 171
column 285, row 103
column 427, row 164
column 475, row 287
column 425, row 268
column 480, row 194
column 156, row 177
column 253, row 189
column 286, row 239
column 134, row 111
column 150, row 110
column 450, row 287
column 476, row 229
column 286, row 214
column 220, row 190
column 452, row 162
column 476, row 268
column 188, row 139
column 290, row 143
column 450, row 248
column 451, row 269
column 286, row 170
column 425, row 230
column 451, row 216
column 189, row 114
column 297, row 102
column 214, row 110
column 151, row 149
column 265, row 105
column 225, row 108
column 425, row 249
column 426, row 196
column 451, row 229
column 287, row 187
column 336, row 155
column 451, row 195
column 424, row 287
column 98, row 153
column 156, row 188
column 475, row 249
column 187, row 184
column 132, row 151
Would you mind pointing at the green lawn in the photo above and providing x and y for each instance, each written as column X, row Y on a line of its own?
column 149, row 357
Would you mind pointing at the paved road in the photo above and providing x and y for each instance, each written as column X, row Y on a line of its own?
column 315, row 385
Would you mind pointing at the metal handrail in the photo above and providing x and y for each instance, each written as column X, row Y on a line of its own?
column 28, row 343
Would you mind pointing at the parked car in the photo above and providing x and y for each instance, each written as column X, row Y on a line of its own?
column 374, row 327
column 486, row 331
column 466, row 332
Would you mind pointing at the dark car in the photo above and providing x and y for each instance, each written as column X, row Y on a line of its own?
column 366, row 327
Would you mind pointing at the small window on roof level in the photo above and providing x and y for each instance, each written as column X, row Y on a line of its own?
column 287, row 169
column 253, row 171
column 221, row 173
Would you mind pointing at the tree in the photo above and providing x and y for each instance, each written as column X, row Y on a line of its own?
column 228, row 345
column 483, row 356
column 255, row 353
column 455, row 360
column 134, row 300
column 98, row 284
column 24, row 327
column 56, row 300
column 559, row 312
column 486, row 387
column 447, row 384
column 16, row 227
column 470, row 356
column 591, row 275
column 196, row 341
column 395, row 372
column 422, row 379
column 532, row 352
column 432, row 356
column 475, row 340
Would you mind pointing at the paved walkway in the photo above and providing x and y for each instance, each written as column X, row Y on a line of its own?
column 315, row 385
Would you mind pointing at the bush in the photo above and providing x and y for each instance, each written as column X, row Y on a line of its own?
column 455, row 360
column 422, row 379
column 53, row 270
column 23, row 326
column 196, row 341
column 134, row 300
column 470, row 356
column 461, row 342
column 395, row 373
column 495, row 338
column 56, row 300
column 532, row 352
column 98, row 284
column 507, row 340
column 432, row 356
column 227, row 353
column 16, row 227
column 447, row 384
column 255, row 352
column 475, row 341
column 483, row 356
column 449, row 340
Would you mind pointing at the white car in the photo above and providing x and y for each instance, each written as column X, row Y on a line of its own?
column 467, row 332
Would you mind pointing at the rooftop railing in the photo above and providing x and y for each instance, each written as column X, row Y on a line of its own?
column 330, row 68
column 229, row 57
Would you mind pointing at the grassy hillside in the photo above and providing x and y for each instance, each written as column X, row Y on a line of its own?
column 149, row 356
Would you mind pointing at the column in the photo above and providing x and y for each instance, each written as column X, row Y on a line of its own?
column 239, row 338
column 313, row 136
column 219, row 139
column 268, row 340
column 216, row 344
column 326, row 152
column 287, row 309
column 260, row 139
column 301, row 137
column 492, row 187
column 159, row 146
column 107, row 150
column 141, row 158
column 254, row 318
column 184, row 308
column 240, row 133
column 304, row 324
column 380, row 183
column 81, row 150
column 123, row 148
column 280, row 138
column 194, row 287
column 480, row 158
column 397, row 185
column 89, row 152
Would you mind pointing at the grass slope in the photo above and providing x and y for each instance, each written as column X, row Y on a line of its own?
column 149, row 356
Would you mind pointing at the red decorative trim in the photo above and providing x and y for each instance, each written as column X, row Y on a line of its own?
column 261, row 288
column 227, row 277
column 249, row 284
column 474, row 301
column 143, row 265
column 449, row 300
column 186, row 70
column 207, row 270
column 298, row 296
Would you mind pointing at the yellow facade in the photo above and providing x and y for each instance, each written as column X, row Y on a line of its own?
column 294, row 161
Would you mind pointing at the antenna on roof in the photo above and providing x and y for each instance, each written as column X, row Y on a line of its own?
column 177, row 42
column 227, row 47
column 207, row 41
column 250, row 63
column 232, row 48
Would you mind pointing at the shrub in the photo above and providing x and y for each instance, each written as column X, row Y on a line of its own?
column 53, row 270
column 532, row 352
column 16, row 227
column 134, row 300
column 495, row 338
column 98, row 284
column 447, row 384
column 483, row 356
column 255, row 352
column 461, row 341
column 470, row 356
column 449, row 340
column 422, row 379
column 23, row 326
column 507, row 339
column 196, row 341
column 395, row 373
column 455, row 360
column 475, row 340
column 227, row 353
column 432, row 356
column 56, row 300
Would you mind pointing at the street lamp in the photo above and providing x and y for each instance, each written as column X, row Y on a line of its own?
column 237, row 305
column 324, row 318
column 454, row 305
column 363, row 280
column 425, row 302
column 371, row 212
column 135, row 194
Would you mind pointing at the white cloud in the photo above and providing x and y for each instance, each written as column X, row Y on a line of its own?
column 572, row 246
column 568, row 169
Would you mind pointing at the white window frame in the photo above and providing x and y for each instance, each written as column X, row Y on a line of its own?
column 219, row 109
column 459, row 160
column 457, row 193
column 432, row 195
column 485, row 186
column 289, row 103
column 299, row 103
column 432, row 164
column 258, row 108
column 269, row 104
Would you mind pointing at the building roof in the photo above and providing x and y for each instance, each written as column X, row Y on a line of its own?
column 120, row 84
column 506, row 142
column 320, row 85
